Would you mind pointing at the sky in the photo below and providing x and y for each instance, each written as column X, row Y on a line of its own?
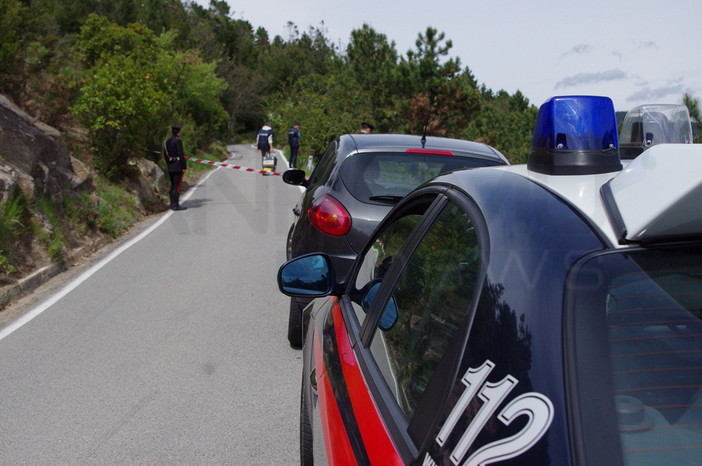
column 634, row 51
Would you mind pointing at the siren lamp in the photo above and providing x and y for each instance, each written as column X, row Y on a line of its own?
column 575, row 135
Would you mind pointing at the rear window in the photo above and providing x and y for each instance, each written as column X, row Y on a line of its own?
column 388, row 176
column 649, row 308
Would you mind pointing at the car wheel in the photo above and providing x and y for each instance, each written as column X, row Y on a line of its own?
column 306, row 454
column 295, row 322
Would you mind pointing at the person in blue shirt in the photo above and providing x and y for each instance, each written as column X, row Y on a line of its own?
column 294, row 142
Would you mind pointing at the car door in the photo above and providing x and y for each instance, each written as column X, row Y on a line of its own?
column 409, row 303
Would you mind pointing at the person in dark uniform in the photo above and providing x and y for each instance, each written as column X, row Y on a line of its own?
column 175, row 161
column 294, row 142
column 264, row 140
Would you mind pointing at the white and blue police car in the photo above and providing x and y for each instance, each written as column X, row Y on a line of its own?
column 544, row 314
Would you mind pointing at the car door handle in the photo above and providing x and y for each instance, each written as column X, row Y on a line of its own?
column 296, row 211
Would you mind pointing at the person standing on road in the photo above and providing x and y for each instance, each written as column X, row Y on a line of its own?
column 366, row 128
column 264, row 140
column 175, row 161
column 294, row 142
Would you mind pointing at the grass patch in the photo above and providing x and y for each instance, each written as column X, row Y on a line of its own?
column 216, row 152
column 13, row 222
column 54, row 239
column 116, row 208
column 81, row 211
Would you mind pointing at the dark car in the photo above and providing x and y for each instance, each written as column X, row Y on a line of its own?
column 357, row 181
column 541, row 314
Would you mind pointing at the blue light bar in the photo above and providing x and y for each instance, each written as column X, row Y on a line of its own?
column 575, row 135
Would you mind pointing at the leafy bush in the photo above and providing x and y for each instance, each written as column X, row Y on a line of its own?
column 139, row 86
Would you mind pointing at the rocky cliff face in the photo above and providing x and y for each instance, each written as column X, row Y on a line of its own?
column 34, row 158
column 35, row 162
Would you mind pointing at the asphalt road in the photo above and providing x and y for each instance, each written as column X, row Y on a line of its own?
column 168, row 347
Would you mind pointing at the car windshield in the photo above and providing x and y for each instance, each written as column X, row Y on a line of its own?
column 652, row 301
column 388, row 176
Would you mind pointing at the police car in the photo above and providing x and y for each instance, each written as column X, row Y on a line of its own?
column 544, row 314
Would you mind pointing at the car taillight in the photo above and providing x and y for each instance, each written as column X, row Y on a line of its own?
column 329, row 216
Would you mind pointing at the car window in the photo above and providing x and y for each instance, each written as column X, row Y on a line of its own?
column 370, row 176
column 326, row 162
column 652, row 333
column 378, row 259
column 431, row 297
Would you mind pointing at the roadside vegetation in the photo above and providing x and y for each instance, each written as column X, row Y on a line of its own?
column 123, row 71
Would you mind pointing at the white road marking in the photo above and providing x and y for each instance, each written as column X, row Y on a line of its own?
column 26, row 318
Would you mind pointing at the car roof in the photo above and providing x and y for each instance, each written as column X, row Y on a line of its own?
column 402, row 142
column 655, row 198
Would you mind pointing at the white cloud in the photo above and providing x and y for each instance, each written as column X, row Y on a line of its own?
column 672, row 89
column 579, row 49
column 581, row 79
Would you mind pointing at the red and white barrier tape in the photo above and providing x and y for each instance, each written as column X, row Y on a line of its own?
column 233, row 167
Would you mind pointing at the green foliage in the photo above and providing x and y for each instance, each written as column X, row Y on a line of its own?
column 15, row 218
column 373, row 63
column 195, row 91
column 11, row 22
column 504, row 122
column 116, row 209
column 101, row 39
column 80, row 212
column 112, row 212
column 6, row 266
column 13, row 224
column 70, row 15
column 119, row 105
column 438, row 97
column 325, row 106
column 54, row 238
column 282, row 64
column 424, row 91
column 693, row 106
column 14, row 24
column 243, row 100
column 140, row 85
column 231, row 44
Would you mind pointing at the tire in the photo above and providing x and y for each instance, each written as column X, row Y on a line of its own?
column 306, row 447
column 295, row 327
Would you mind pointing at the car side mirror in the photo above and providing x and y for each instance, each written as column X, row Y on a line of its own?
column 295, row 176
column 388, row 318
column 311, row 275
